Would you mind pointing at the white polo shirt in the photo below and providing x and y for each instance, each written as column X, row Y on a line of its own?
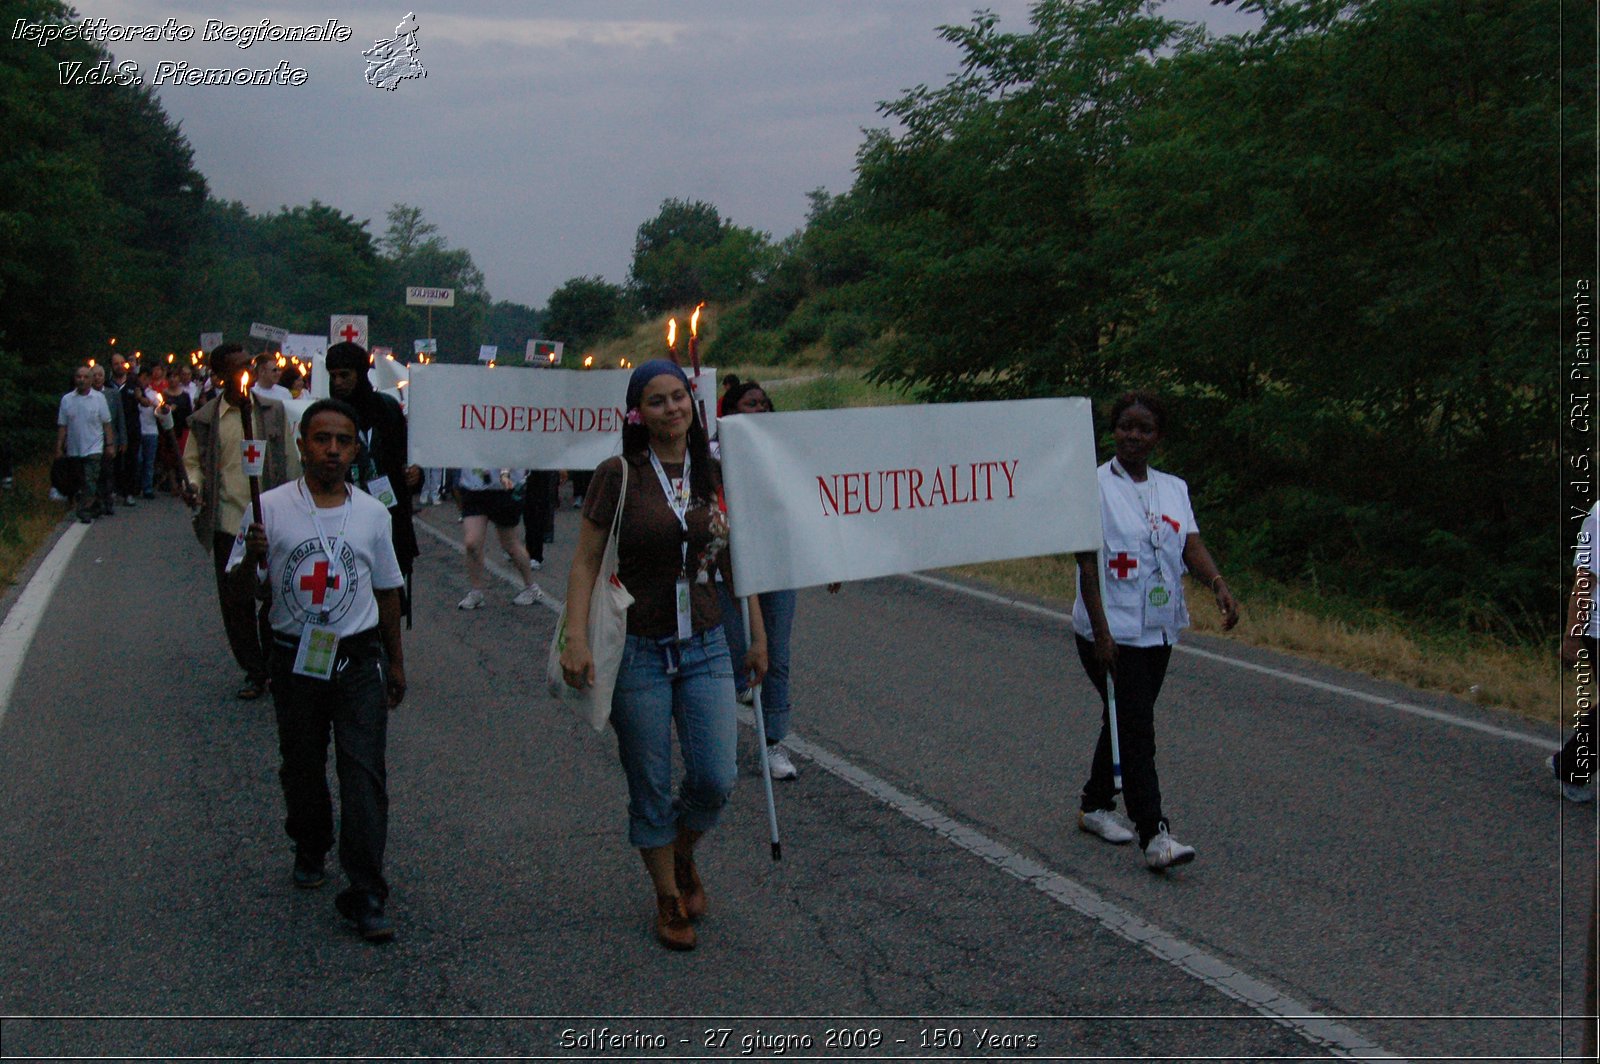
column 85, row 417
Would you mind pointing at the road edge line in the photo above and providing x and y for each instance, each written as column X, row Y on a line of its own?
column 22, row 620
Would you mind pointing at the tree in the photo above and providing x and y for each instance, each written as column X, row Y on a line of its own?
column 585, row 311
column 688, row 253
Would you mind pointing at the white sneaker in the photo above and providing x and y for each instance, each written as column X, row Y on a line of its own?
column 1164, row 851
column 1572, row 792
column 747, row 697
column 473, row 601
column 535, row 564
column 1104, row 822
column 778, row 761
column 527, row 596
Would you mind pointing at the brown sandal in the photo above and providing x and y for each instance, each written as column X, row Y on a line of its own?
column 673, row 929
column 690, row 889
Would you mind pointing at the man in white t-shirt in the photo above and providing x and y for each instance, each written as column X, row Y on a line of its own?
column 83, row 433
column 265, row 378
column 337, row 661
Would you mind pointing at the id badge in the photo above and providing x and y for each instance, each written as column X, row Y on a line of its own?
column 1160, row 611
column 379, row 488
column 318, row 649
column 685, row 620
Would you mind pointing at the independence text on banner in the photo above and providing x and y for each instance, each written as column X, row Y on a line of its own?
column 475, row 417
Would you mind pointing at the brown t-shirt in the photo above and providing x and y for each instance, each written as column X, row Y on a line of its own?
column 649, row 551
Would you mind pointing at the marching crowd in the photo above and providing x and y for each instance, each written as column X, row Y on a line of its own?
column 313, row 550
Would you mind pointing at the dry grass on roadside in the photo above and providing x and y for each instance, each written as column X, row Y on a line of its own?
column 1523, row 681
column 27, row 517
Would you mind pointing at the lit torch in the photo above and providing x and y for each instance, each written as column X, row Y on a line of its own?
column 247, row 412
column 672, row 339
column 694, row 362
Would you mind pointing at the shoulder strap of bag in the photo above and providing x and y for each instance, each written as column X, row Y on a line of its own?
column 622, row 496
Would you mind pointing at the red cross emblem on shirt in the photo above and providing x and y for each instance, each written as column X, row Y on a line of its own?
column 349, row 332
column 1122, row 565
column 251, row 454
column 318, row 582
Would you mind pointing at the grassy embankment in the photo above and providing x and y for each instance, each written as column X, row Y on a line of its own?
column 27, row 517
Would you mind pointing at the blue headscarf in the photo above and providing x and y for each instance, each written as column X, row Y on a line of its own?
column 649, row 372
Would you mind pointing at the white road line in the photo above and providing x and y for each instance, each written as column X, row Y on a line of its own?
column 1542, row 743
column 1344, row 1042
column 16, row 634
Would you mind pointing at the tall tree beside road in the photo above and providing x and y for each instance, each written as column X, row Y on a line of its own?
column 587, row 310
column 415, row 254
column 98, row 200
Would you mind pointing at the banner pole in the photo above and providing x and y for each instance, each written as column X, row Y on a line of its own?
column 761, row 742
column 1111, row 687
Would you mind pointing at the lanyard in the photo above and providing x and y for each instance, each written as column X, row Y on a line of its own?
column 677, row 500
column 316, row 523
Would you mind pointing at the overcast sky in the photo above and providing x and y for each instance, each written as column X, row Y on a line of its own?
column 546, row 131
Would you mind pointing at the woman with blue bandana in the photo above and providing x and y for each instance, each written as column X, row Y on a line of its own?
column 675, row 672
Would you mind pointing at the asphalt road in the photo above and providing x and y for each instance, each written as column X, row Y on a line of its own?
column 1365, row 877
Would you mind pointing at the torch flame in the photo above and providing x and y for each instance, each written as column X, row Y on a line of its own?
column 244, row 383
column 672, row 333
column 694, row 321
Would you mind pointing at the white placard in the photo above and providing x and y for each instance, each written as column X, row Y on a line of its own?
column 418, row 296
column 425, row 347
column 486, row 352
column 268, row 332
column 351, row 328
column 310, row 348
column 208, row 340
column 468, row 416
column 543, row 352
column 253, row 455
column 827, row 495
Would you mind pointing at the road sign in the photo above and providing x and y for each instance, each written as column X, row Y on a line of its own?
column 430, row 297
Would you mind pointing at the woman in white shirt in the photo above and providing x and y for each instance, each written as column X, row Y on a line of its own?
column 487, row 496
column 1151, row 540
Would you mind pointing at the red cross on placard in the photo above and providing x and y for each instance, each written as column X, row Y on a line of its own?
column 319, row 582
column 349, row 333
column 251, row 454
column 1123, row 564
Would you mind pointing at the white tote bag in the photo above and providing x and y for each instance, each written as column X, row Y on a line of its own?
column 608, row 632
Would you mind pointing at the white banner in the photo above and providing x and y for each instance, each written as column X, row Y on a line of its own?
column 476, row 417
column 827, row 495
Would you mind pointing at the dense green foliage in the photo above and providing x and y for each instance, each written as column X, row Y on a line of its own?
column 1331, row 243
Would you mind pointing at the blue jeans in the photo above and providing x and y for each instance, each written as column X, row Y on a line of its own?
column 698, row 699
column 777, row 613
column 148, row 445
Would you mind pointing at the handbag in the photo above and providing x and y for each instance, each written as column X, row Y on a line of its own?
column 608, row 632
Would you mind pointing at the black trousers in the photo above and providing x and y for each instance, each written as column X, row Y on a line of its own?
column 1140, row 673
column 538, row 512
column 354, row 706
column 244, row 618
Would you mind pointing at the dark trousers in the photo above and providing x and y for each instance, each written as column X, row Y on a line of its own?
column 107, row 485
column 1140, row 673
column 354, row 705
column 1577, row 756
column 88, row 500
column 128, row 467
column 244, row 619
column 538, row 512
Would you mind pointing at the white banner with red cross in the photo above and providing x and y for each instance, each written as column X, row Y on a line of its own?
column 482, row 417
column 822, row 496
